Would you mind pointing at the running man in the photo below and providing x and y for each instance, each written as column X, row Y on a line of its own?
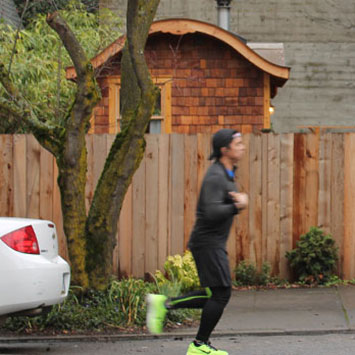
column 218, row 202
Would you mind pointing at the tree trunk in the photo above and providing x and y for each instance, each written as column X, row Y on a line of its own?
column 139, row 96
column 71, row 181
column 72, row 157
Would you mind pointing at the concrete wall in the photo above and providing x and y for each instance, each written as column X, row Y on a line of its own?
column 319, row 39
column 8, row 12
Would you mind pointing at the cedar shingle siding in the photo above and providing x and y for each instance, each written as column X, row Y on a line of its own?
column 8, row 12
column 213, row 86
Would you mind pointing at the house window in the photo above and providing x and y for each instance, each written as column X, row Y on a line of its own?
column 157, row 119
column 161, row 119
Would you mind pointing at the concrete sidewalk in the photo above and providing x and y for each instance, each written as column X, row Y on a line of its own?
column 288, row 311
column 263, row 312
column 314, row 310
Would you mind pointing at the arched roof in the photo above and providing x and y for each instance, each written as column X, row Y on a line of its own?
column 184, row 26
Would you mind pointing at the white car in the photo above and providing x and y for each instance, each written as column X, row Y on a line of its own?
column 33, row 276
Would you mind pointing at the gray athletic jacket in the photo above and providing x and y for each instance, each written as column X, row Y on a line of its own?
column 215, row 210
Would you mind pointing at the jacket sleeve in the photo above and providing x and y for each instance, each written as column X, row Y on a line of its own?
column 213, row 197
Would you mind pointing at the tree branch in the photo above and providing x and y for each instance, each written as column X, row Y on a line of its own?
column 138, row 25
column 71, row 44
column 136, row 80
column 88, row 94
column 20, row 110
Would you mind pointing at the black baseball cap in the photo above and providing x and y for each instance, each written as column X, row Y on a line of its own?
column 221, row 139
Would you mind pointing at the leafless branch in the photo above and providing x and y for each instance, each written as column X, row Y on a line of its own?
column 87, row 93
column 138, row 25
column 70, row 42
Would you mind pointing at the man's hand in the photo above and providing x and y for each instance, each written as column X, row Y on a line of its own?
column 240, row 199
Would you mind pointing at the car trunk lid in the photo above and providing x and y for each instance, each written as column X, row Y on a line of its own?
column 45, row 232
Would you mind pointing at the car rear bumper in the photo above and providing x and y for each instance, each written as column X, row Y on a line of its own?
column 35, row 282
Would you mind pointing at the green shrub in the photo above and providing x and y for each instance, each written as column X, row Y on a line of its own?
column 122, row 305
column 180, row 275
column 246, row 274
column 129, row 298
column 314, row 259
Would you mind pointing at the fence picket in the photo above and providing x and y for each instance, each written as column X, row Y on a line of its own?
column 312, row 181
column 190, row 193
column 242, row 224
column 325, row 153
column 57, row 215
column 349, row 206
column 163, row 200
column 20, row 175
column 337, row 195
column 33, row 171
column 6, row 175
column 286, row 201
column 46, row 185
column 264, row 161
column 177, row 194
column 203, row 153
column 255, row 198
column 151, row 200
column 299, row 187
column 273, row 204
column 138, row 218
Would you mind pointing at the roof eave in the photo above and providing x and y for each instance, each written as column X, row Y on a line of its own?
column 184, row 26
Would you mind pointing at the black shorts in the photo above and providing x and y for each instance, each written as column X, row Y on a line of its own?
column 212, row 267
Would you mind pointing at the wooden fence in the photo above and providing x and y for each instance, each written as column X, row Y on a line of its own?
column 294, row 181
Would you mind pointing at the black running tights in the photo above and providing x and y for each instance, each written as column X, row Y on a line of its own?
column 212, row 301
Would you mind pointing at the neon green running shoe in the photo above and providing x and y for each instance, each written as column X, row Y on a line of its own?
column 156, row 313
column 203, row 349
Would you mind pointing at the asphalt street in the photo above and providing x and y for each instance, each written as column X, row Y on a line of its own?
column 329, row 344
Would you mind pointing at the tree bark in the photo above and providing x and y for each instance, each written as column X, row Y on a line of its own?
column 139, row 96
column 72, row 158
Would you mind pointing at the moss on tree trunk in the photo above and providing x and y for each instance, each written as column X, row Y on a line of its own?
column 72, row 165
column 139, row 96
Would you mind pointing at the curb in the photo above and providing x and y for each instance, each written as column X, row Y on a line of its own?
column 174, row 336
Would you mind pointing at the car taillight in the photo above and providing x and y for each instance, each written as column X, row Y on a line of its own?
column 23, row 240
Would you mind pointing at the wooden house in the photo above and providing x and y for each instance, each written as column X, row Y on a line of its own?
column 209, row 78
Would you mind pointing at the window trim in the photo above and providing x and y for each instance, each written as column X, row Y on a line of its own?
column 114, row 86
column 267, row 122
